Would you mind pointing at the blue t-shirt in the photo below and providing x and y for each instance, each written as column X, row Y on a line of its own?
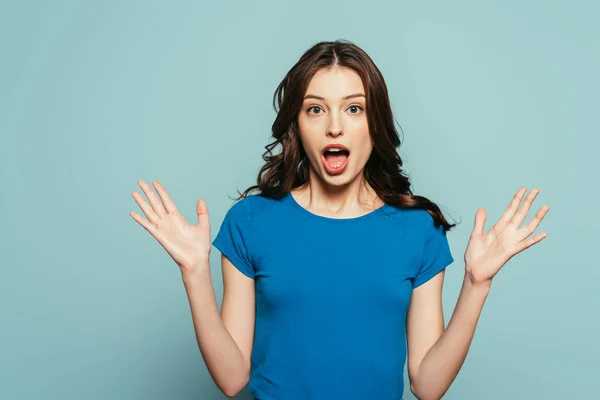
column 331, row 295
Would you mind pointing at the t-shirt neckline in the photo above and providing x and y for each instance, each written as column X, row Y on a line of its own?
column 289, row 198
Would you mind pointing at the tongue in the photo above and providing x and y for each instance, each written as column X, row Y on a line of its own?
column 335, row 158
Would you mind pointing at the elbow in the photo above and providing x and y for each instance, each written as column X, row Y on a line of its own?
column 415, row 392
column 232, row 387
column 231, row 393
column 423, row 395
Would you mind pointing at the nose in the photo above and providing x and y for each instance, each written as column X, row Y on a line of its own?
column 334, row 132
column 335, row 127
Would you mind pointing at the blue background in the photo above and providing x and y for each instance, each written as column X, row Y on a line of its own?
column 491, row 96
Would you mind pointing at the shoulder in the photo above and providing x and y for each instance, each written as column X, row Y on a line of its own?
column 423, row 219
column 414, row 218
column 426, row 225
column 416, row 222
column 250, row 207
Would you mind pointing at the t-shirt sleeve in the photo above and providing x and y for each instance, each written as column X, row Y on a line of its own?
column 233, row 237
column 436, row 253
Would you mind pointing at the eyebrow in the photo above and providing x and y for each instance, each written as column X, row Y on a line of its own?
column 314, row 96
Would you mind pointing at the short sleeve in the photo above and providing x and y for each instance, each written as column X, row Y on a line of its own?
column 436, row 253
column 232, row 240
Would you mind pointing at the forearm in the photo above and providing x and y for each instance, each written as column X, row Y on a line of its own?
column 444, row 359
column 220, row 352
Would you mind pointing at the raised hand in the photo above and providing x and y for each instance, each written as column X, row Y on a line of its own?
column 188, row 245
column 487, row 252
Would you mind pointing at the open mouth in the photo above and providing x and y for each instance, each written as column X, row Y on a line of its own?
column 335, row 158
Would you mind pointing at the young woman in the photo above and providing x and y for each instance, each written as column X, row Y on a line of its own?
column 333, row 270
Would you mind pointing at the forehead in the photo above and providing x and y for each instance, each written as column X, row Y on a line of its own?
column 335, row 83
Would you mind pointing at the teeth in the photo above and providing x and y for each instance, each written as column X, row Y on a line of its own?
column 334, row 149
column 336, row 165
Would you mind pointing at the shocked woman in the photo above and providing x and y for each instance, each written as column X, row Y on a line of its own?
column 332, row 267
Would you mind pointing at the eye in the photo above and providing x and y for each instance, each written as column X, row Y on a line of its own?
column 314, row 107
column 358, row 108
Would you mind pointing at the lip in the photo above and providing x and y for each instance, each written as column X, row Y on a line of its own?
column 342, row 168
column 335, row 146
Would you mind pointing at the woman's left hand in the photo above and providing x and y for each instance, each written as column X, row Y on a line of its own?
column 487, row 252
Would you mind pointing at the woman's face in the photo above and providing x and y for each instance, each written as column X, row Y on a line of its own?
column 333, row 113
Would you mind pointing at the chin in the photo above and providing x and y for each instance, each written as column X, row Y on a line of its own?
column 341, row 180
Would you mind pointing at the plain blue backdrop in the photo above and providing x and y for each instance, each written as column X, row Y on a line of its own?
column 490, row 95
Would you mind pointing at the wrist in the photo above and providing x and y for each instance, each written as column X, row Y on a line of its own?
column 198, row 267
column 473, row 283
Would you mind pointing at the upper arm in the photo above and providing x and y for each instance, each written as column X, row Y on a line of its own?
column 425, row 321
column 425, row 318
column 238, row 307
column 234, row 241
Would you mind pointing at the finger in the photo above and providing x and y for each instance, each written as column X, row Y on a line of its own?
column 166, row 199
column 153, row 230
column 148, row 211
column 155, row 202
column 480, row 217
column 531, row 241
column 202, row 212
column 510, row 211
column 143, row 222
column 520, row 215
column 535, row 222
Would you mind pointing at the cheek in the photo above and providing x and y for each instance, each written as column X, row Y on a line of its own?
column 364, row 153
column 358, row 126
column 363, row 145
column 310, row 145
column 363, row 137
column 311, row 137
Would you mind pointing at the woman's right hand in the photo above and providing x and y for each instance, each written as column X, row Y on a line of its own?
column 188, row 245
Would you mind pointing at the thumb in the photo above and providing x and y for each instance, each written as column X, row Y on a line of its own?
column 202, row 212
column 480, row 217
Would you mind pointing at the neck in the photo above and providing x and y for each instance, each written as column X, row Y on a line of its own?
column 350, row 200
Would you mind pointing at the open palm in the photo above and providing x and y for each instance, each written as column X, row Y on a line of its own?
column 487, row 252
column 187, row 244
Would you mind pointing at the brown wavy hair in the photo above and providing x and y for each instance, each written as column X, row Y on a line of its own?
column 289, row 168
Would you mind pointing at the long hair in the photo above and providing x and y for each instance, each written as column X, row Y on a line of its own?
column 289, row 168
